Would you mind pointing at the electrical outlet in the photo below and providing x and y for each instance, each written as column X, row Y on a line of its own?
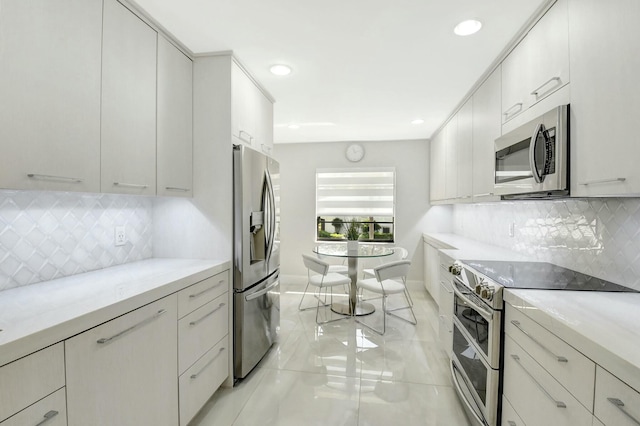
column 120, row 236
column 512, row 229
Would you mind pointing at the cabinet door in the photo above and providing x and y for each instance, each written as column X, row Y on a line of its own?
column 50, row 88
column 243, row 107
column 539, row 65
column 464, row 148
column 264, row 123
column 437, row 167
column 125, row 371
column 451, row 159
column 175, row 123
column 605, row 97
column 128, row 150
column 487, row 127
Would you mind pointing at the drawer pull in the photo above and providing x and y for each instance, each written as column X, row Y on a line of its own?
column 245, row 136
column 176, row 188
column 51, row 177
column 48, row 416
column 443, row 285
column 537, row 342
column 536, row 91
column 620, row 405
column 207, row 315
column 486, row 194
column 206, row 290
column 511, row 423
column 130, row 329
column 559, row 404
column 204, row 367
column 131, row 185
column 596, row 182
column 513, row 109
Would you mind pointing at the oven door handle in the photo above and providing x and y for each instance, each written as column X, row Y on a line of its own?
column 470, row 410
column 482, row 311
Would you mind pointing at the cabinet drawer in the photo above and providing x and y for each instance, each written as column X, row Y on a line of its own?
column 31, row 378
column 571, row 368
column 509, row 415
column 50, row 411
column 615, row 398
column 201, row 329
column 199, row 382
column 535, row 395
column 201, row 293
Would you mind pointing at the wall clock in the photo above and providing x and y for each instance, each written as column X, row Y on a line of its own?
column 355, row 152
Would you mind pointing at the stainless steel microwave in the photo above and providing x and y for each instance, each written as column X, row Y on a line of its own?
column 532, row 161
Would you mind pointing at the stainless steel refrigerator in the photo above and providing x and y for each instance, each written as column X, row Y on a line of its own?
column 256, row 256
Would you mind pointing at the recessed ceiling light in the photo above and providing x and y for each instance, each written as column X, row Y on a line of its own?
column 468, row 27
column 293, row 126
column 280, row 69
column 417, row 121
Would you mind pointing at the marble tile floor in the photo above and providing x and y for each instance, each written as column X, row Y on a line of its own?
column 344, row 374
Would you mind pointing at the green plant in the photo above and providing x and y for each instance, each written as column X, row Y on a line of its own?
column 353, row 230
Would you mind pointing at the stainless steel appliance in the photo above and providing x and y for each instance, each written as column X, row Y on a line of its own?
column 532, row 161
column 478, row 323
column 256, row 257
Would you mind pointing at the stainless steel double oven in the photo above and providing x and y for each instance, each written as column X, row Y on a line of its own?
column 475, row 363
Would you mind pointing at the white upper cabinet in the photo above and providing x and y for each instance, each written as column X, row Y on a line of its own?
column 437, row 168
column 175, row 124
column 251, row 112
column 464, row 149
column 50, row 89
column 605, row 98
column 451, row 159
column 538, row 66
column 128, row 149
column 487, row 127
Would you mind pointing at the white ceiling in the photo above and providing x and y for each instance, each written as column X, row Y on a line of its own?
column 362, row 69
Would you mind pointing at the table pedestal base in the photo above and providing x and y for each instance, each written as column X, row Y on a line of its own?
column 361, row 309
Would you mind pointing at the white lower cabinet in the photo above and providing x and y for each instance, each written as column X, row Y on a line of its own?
column 124, row 372
column 535, row 394
column 29, row 379
column 509, row 415
column 432, row 270
column 198, row 383
column 445, row 304
column 49, row 411
column 616, row 404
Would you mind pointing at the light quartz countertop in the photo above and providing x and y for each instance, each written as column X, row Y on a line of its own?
column 604, row 326
column 35, row 316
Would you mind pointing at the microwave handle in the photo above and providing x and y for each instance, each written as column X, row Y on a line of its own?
column 532, row 153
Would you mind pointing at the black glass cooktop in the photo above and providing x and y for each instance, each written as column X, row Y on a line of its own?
column 541, row 275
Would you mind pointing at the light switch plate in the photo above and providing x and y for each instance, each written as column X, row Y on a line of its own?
column 120, row 236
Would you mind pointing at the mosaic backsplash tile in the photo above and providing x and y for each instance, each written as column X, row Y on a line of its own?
column 598, row 236
column 47, row 235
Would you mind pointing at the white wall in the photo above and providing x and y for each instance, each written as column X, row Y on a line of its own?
column 414, row 215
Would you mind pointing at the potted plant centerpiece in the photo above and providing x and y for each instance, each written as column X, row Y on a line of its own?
column 353, row 234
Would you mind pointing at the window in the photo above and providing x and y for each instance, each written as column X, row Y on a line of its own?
column 366, row 196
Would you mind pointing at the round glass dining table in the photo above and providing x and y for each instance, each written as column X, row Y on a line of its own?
column 352, row 255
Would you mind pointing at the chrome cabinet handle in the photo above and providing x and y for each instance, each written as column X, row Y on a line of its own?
column 247, row 137
column 207, row 315
column 512, row 109
column 204, row 367
column 536, row 91
column 48, row 416
column 559, row 404
column 596, row 182
column 131, row 185
column 442, row 284
column 486, row 194
column 206, row 290
column 130, row 329
column 52, row 177
column 558, row 358
column 620, row 406
column 511, row 423
column 176, row 188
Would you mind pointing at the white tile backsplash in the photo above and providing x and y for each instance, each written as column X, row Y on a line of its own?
column 599, row 236
column 47, row 235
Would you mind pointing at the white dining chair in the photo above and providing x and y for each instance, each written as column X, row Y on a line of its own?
column 390, row 278
column 320, row 277
column 399, row 253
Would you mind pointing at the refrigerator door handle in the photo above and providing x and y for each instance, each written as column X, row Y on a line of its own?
column 262, row 292
column 271, row 220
